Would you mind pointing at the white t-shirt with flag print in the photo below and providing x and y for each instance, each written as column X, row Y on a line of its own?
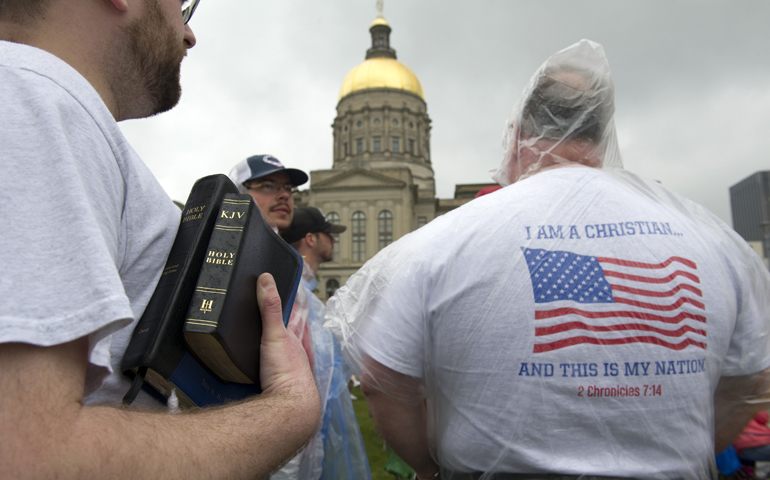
column 576, row 322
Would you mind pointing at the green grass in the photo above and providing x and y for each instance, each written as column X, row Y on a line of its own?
column 375, row 447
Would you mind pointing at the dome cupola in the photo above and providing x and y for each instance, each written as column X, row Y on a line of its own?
column 381, row 69
column 382, row 119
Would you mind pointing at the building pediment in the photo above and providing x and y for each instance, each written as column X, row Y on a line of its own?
column 358, row 179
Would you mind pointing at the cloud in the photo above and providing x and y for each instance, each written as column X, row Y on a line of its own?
column 264, row 78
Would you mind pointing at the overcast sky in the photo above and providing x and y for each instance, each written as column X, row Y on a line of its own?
column 692, row 83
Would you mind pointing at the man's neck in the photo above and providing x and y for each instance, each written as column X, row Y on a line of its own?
column 74, row 35
column 311, row 263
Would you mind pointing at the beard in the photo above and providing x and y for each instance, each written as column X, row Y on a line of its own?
column 326, row 250
column 144, row 71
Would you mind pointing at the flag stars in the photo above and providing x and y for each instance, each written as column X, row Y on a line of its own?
column 565, row 276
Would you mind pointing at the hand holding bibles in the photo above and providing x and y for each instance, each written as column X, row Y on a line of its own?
column 200, row 333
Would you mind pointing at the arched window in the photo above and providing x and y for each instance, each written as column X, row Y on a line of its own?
column 334, row 219
column 385, row 228
column 358, row 231
column 331, row 286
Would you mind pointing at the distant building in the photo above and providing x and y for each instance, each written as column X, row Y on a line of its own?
column 750, row 204
column 381, row 184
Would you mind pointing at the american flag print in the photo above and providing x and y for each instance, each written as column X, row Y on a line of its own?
column 580, row 299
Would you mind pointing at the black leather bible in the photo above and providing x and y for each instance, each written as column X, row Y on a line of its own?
column 157, row 347
column 223, row 328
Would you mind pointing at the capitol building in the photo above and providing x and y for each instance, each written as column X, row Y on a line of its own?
column 381, row 184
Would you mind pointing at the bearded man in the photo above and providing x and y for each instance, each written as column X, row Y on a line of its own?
column 81, row 258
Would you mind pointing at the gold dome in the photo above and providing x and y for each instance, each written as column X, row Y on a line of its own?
column 379, row 21
column 381, row 73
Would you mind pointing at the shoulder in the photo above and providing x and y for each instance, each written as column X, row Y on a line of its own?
column 39, row 88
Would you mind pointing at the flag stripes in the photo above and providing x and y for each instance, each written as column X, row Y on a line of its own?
column 577, row 303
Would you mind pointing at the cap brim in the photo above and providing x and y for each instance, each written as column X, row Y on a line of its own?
column 335, row 229
column 297, row 177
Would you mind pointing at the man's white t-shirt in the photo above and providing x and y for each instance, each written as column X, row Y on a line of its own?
column 87, row 227
column 576, row 322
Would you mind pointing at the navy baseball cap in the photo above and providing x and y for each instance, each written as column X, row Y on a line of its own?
column 309, row 220
column 258, row 166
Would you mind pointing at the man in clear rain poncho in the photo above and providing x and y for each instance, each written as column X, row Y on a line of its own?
column 337, row 450
column 581, row 322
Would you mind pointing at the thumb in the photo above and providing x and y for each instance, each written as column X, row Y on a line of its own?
column 270, row 308
column 283, row 363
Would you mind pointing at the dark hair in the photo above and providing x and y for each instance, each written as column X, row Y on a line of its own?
column 23, row 11
column 558, row 110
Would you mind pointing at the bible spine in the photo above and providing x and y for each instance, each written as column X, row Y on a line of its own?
column 202, row 326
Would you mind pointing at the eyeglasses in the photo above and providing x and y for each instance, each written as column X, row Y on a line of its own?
column 188, row 7
column 272, row 188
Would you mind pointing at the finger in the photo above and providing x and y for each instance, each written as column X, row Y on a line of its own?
column 270, row 308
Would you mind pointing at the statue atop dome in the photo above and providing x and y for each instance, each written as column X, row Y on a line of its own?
column 380, row 37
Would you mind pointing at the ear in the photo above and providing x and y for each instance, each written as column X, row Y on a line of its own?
column 121, row 5
column 310, row 239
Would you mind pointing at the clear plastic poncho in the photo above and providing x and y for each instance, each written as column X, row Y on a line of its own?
column 336, row 451
column 581, row 321
column 564, row 116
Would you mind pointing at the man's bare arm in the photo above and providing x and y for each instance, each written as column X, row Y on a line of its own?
column 47, row 432
column 400, row 415
column 736, row 401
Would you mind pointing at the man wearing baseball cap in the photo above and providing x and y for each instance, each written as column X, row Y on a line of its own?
column 271, row 185
column 343, row 453
column 311, row 235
